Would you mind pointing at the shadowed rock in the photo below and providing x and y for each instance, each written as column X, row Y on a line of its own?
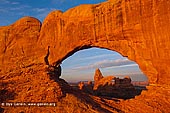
column 54, row 71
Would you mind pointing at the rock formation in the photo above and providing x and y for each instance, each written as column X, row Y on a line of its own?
column 54, row 71
column 81, row 85
column 99, row 80
column 87, row 88
column 97, row 76
column 113, row 87
column 137, row 29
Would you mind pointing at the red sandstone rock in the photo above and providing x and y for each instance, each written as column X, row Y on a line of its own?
column 87, row 88
column 112, row 25
column 137, row 29
column 104, row 81
column 81, row 85
column 113, row 87
column 97, row 76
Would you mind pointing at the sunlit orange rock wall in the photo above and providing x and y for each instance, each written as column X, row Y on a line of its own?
column 18, row 44
column 137, row 29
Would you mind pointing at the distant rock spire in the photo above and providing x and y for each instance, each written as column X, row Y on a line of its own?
column 98, row 75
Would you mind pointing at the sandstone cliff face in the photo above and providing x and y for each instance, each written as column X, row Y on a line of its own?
column 129, row 28
column 18, row 44
column 137, row 29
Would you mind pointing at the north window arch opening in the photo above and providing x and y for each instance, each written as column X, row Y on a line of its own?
column 79, row 70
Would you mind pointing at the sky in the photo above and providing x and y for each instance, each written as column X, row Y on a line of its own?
column 12, row 10
column 80, row 66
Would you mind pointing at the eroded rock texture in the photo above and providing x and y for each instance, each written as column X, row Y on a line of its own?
column 137, row 29
column 97, row 76
column 111, row 86
column 129, row 28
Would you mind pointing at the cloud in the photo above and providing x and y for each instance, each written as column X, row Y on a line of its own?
column 107, row 63
column 20, row 8
column 3, row 10
column 15, row 3
column 7, row 6
column 9, row 2
column 98, row 56
column 60, row 1
column 4, row 1
column 40, row 9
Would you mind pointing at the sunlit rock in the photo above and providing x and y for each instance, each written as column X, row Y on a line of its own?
column 137, row 29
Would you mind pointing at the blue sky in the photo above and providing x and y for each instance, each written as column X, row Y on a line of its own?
column 12, row 10
column 81, row 65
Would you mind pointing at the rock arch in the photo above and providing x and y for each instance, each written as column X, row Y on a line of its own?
column 134, row 29
column 137, row 29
